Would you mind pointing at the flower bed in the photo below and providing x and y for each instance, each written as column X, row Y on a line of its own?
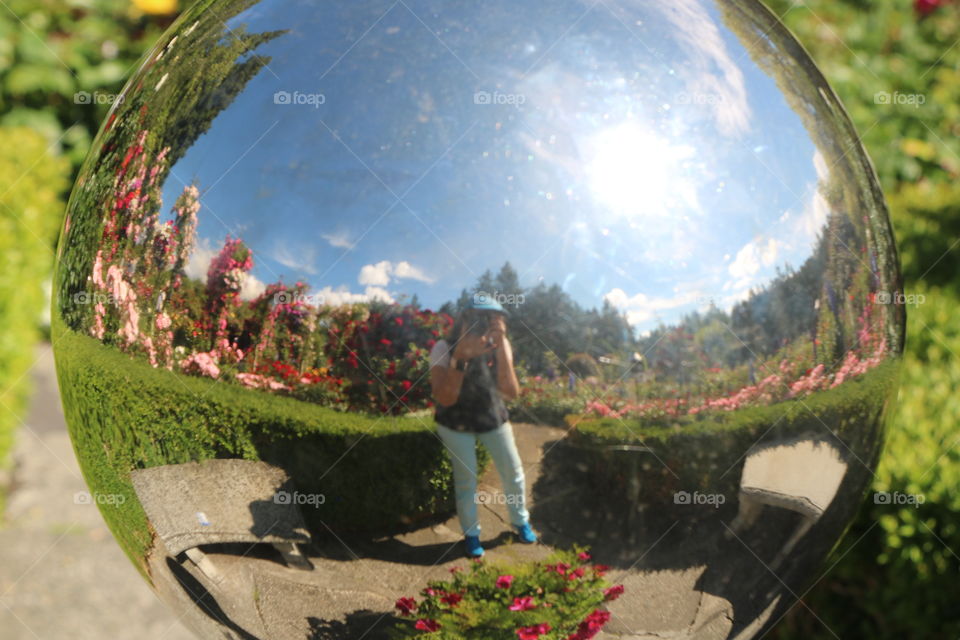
column 558, row 599
column 705, row 452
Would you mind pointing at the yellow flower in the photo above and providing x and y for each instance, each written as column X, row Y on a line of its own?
column 156, row 7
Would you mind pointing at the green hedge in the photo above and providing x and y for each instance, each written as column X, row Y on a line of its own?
column 123, row 414
column 31, row 181
column 707, row 454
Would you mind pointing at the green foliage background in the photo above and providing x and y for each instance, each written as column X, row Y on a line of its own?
column 31, row 181
column 51, row 52
column 895, row 573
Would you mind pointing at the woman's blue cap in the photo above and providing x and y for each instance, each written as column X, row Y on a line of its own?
column 482, row 301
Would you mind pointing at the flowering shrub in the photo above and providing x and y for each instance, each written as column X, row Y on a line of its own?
column 370, row 357
column 558, row 599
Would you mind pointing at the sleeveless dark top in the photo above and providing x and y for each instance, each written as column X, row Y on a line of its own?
column 479, row 407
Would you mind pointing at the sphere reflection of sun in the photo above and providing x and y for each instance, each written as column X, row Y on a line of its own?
column 635, row 173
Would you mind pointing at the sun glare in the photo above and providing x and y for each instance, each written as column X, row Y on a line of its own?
column 637, row 174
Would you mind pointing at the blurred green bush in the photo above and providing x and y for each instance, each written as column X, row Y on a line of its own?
column 62, row 62
column 895, row 573
column 31, row 181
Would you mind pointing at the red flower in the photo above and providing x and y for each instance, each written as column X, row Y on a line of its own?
column 613, row 592
column 426, row 624
column 926, row 7
column 504, row 582
column 385, row 342
column 406, row 385
column 399, row 321
column 591, row 625
column 601, row 569
column 452, row 599
column 576, row 573
column 406, row 606
column 583, row 555
column 455, row 569
column 533, row 632
column 522, row 604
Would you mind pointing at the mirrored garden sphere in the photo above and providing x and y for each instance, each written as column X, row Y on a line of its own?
column 349, row 291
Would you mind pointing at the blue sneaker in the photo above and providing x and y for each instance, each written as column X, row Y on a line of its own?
column 525, row 533
column 474, row 549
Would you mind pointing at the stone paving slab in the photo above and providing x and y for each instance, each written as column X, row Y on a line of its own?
column 62, row 575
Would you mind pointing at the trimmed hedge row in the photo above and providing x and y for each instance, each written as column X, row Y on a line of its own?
column 30, row 211
column 707, row 453
column 376, row 473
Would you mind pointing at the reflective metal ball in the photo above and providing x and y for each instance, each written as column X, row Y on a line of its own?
column 321, row 250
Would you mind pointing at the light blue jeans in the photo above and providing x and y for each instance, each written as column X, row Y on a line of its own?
column 463, row 456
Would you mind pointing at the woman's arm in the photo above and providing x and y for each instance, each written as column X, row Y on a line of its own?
column 507, row 382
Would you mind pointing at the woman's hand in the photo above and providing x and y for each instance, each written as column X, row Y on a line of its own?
column 497, row 333
column 470, row 345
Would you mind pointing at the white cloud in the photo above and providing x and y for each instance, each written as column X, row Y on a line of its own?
column 380, row 274
column 376, row 274
column 252, row 287
column 341, row 295
column 406, row 270
column 300, row 259
column 725, row 91
column 339, row 240
column 814, row 216
column 754, row 255
column 199, row 259
column 641, row 308
column 372, row 293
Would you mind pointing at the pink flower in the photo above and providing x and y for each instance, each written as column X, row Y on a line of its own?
column 583, row 555
column 256, row 381
column 202, row 363
column 591, row 625
column 406, row 606
column 163, row 321
column 426, row 624
column 576, row 573
column 926, row 7
column 613, row 592
column 533, row 632
column 522, row 604
column 504, row 582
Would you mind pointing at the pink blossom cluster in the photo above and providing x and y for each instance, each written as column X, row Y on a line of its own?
column 257, row 381
column 815, row 379
column 205, row 363
column 853, row 366
column 766, row 391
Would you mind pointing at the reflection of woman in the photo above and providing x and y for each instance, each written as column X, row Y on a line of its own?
column 471, row 373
